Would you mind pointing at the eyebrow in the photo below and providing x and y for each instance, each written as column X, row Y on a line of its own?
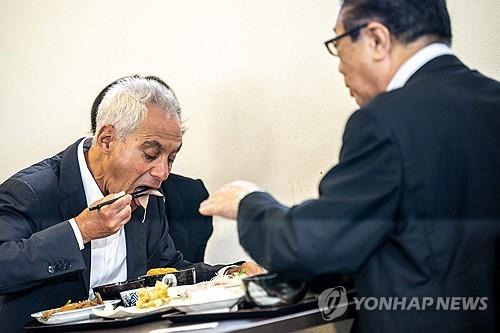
column 152, row 144
column 156, row 144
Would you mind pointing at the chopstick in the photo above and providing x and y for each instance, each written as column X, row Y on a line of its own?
column 139, row 193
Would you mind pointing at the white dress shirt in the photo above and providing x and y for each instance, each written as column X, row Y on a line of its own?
column 415, row 62
column 109, row 254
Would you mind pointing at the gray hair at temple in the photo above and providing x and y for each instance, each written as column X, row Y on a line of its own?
column 125, row 104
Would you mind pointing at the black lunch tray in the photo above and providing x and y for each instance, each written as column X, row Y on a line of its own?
column 245, row 311
column 175, row 316
column 94, row 323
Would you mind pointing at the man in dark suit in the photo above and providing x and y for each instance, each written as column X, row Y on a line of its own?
column 53, row 248
column 189, row 229
column 412, row 209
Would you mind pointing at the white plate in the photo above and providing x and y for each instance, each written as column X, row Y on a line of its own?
column 222, row 305
column 72, row 315
column 128, row 312
column 211, row 299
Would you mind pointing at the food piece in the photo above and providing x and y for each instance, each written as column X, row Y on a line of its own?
column 72, row 306
column 218, row 287
column 143, row 200
column 162, row 270
column 152, row 297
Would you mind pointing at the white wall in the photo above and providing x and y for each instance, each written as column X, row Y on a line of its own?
column 262, row 97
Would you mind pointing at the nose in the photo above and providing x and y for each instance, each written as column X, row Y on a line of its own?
column 161, row 169
column 341, row 68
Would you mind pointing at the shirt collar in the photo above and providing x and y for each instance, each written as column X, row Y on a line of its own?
column 92, row 191
column 415, row 62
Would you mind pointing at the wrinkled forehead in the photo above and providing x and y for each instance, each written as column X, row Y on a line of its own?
column 160, row 123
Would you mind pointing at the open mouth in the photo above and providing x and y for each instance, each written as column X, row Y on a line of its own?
column 141, row 189
column 141, row 195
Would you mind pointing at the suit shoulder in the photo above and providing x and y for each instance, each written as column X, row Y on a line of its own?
column 401, row 96
column 185, row 185
column 173, row 177
column 185, row 181
column 30, row 188
column 40, row 174
column 444, row 81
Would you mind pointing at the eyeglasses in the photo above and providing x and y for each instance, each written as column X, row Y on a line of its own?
column 330, row 44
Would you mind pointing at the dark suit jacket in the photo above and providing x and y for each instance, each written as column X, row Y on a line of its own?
column 42, row 265
column 189, row 229
column 411, row 209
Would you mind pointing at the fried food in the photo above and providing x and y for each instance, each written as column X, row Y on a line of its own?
column 163, row 270
column 73, row 306
column 152, row 297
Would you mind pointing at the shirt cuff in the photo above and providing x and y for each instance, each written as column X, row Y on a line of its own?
column 245, row 188
column 223, row 270
column 77, row 233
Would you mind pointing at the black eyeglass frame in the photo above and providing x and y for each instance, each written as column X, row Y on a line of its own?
column 332, row 49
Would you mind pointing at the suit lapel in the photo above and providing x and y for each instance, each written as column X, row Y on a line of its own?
column 70, row 183
column 136, row 245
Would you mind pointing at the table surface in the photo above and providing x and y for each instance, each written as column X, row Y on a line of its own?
column 295, row 321
column 282, row 323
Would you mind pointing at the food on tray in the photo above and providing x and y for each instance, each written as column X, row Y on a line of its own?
column 163, row 270
column 226, row 280
column 219, row 287
column 152, row 297
column 72, row 306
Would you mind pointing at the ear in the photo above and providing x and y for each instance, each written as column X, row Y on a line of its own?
column 379, row 38
column 106, row 138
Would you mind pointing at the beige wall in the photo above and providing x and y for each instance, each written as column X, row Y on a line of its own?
column 261, row 96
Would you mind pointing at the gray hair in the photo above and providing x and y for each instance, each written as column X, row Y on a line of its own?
column 125, row 104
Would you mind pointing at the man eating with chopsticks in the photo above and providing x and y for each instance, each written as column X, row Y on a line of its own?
column 75, row 221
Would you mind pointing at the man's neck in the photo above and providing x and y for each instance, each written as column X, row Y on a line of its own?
column 413, row 60
column 402, row 52
column 94, row 160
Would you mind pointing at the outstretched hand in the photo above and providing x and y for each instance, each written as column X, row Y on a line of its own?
column 225, row 201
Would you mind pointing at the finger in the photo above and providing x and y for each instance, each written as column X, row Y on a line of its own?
column 110, row 211
column 111, row 196
column 124, row 201
column 124, row 215
column 120, row 203
column 107, row 198
column 206, row 209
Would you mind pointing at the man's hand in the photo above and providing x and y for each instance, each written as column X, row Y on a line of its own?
column 249, row 268
column 225, row 202
column 107, row 220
